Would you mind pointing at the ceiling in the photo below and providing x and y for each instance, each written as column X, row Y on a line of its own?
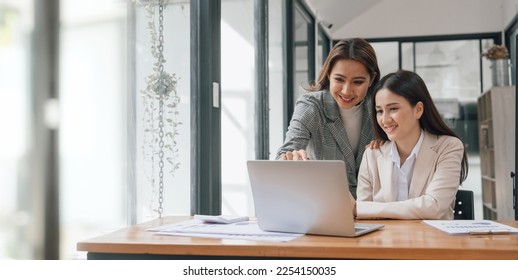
column 340, row 12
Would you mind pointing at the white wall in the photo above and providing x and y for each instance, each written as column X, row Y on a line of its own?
column 401, row 18
column 510, row 9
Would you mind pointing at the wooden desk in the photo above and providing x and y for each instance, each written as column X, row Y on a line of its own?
column 397, row 240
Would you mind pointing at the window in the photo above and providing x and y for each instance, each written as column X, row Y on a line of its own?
column 237, row 104
column 177, row 186
column 323, row 48
column 92, row 135
column 16, row 29
column 386, row 53
column 304, row 53
column 276, row 74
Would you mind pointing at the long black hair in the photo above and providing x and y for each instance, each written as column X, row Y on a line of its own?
column 411, row 87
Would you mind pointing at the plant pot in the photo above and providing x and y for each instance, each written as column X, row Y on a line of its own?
column 500, row 72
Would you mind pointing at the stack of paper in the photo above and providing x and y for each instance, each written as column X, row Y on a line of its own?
column 248, row 230
column 471, row 227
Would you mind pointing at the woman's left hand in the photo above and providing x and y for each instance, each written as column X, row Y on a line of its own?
column 375, row 144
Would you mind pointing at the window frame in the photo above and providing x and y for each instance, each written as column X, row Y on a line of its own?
column 205, row 117
column 496, row 36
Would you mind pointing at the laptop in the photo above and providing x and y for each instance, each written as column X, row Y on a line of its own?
column 310, row 197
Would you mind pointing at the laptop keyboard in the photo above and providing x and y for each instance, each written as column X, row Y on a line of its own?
column 360, row 227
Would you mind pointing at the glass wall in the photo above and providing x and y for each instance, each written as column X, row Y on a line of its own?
column 303, row 72
column 323, row 48
column 387, row 61
column 450, row 68
column 276, row 75
column 16, row 27
column 92, row 121
column 237, row 104
column 176, row 51
column 99, row 113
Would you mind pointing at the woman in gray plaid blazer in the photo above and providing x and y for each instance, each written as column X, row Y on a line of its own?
column 332, row 121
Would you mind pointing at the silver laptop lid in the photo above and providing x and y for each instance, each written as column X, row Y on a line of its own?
column 302, row 196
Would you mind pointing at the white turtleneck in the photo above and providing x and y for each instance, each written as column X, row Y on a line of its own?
column 352, row 119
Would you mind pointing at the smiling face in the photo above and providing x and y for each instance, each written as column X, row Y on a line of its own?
column 349, row 82
column 396, row 116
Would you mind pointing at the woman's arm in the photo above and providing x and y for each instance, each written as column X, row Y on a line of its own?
column 299, row 132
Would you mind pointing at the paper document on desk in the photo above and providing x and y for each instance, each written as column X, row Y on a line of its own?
column 248, row 230
column 471, row 227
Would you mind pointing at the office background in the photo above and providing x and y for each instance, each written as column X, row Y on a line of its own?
column 72, row 162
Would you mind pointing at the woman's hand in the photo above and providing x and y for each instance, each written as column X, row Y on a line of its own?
column 353, row 203
column 295, row 155
column 375, row 144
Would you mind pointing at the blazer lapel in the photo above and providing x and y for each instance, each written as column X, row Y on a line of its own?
column 424, row 165
column 385, row 168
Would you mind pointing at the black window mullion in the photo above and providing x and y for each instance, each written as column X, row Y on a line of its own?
column 289, row 66
column 413, row 56
column 262, row 150
column 515, row 205
column 312, row 58
column 400, row 55
column 326, row 42
column 205, row 107
column 45, row 141
column 480, row 67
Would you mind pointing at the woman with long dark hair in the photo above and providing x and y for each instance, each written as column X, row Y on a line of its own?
column 415, row 174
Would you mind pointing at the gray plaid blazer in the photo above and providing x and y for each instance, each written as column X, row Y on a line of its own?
column 317, row 127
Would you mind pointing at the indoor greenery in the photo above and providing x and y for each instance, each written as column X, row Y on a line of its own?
column 160, row 103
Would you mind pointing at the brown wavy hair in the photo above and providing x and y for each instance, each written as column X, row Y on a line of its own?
column 354, row 49
column 411, row 87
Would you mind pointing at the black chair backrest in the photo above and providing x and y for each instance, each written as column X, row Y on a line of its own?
column 464, row 208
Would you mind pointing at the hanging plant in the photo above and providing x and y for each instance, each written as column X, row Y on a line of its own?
column 160, row 102
column 496, row 52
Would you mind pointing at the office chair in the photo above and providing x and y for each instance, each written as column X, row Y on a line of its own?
column 464, row 208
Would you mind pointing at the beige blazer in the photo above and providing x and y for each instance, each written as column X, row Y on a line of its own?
column 432, row 191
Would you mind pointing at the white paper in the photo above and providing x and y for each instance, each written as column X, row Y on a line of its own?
column 471, row 227
column 233, row 236
column 221, row 219
column 248, row 230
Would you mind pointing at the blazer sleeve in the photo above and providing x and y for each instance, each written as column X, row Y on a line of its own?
column 436, row 202
column 303, row 120
column 364, row 192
